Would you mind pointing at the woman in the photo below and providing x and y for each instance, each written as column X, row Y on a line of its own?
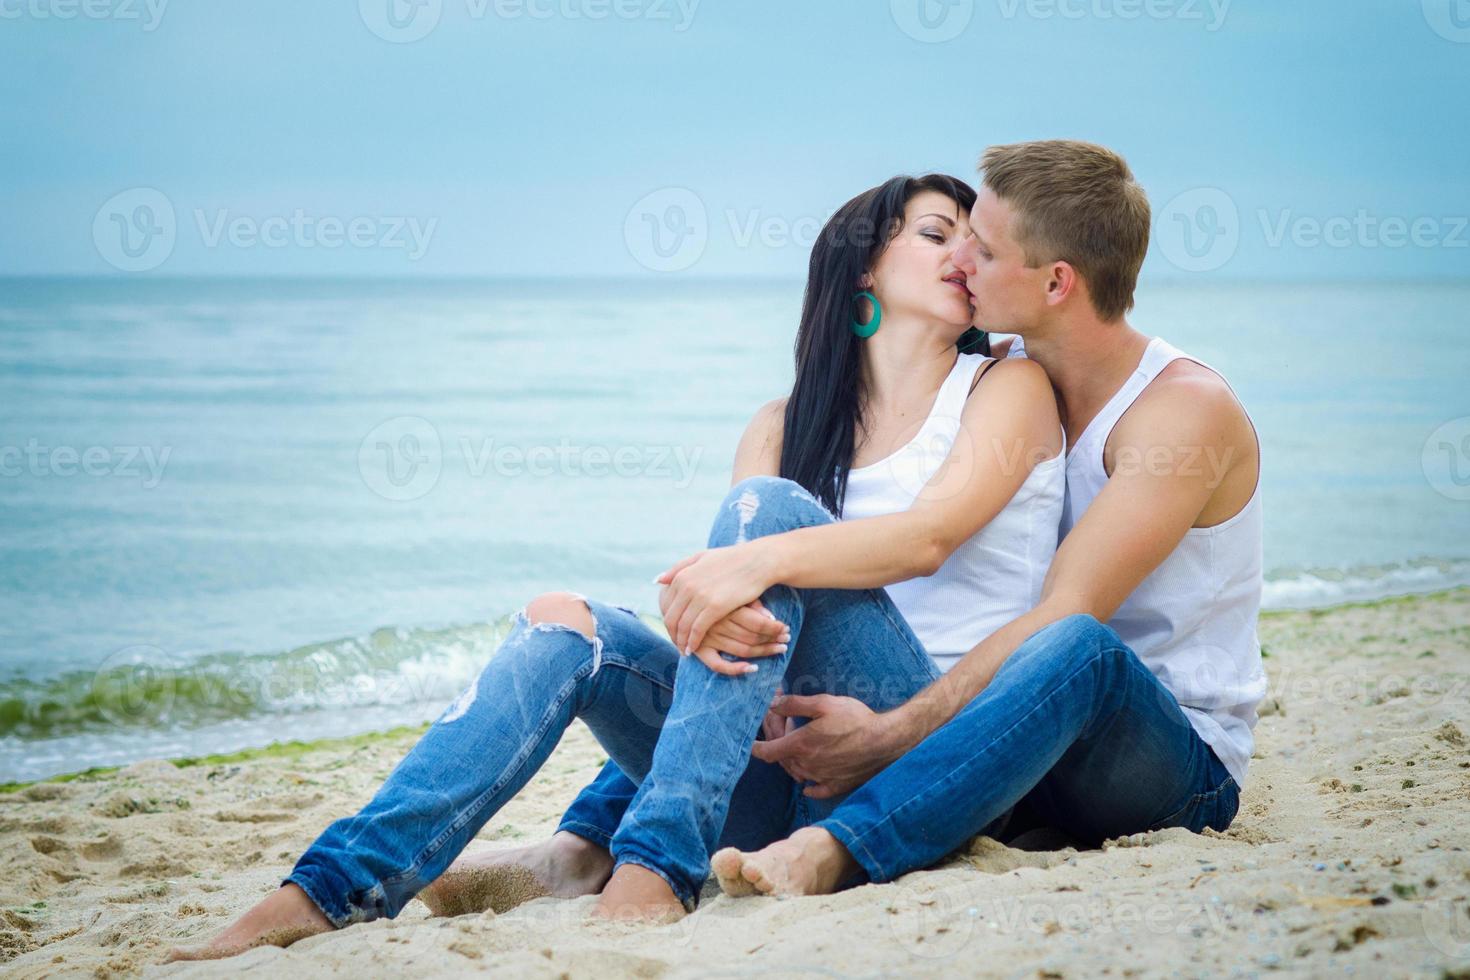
column 950, row 493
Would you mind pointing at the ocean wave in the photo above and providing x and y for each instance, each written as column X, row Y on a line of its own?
column 145, row 688
column 1309, row 588
column 403, row 673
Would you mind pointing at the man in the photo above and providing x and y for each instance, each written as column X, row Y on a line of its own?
column 1054, row 719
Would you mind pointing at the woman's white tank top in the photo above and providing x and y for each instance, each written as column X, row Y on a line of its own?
column 1192, row 621
column 995, row 575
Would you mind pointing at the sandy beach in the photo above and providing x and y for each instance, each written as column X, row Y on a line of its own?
column 1348, row 856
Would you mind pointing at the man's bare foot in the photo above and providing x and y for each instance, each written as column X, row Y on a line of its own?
column 809, row 862
column 634, row 892
column 564, row 866
column 281, row 919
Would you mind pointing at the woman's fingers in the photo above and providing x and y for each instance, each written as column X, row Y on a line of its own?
column 678, row 602
column 721, row 639
column 760, row 622
column 739, row 649
column 711, row 658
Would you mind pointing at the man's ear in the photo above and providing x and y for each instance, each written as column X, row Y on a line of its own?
column 1061, row 283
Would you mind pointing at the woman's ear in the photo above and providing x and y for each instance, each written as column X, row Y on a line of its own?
column 865, row 281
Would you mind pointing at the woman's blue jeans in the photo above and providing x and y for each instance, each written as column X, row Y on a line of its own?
column 1073, row 733
column 678, row 735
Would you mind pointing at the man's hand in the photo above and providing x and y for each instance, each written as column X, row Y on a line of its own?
column 844, row 744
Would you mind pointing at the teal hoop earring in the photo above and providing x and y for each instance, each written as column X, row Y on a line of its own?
column 866, row 330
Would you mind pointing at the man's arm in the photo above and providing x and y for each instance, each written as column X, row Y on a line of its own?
column 1156, row 492
column 1159, row 484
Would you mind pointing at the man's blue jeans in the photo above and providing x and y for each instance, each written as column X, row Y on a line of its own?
column 669, row 724
column 1073, row 733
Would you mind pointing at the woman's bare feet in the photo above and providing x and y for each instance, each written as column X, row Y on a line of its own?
column 634, row 892
column 283, row 918
column 809, row 862
column 563, row 866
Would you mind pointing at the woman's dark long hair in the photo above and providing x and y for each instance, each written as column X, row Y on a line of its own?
column 825, row 405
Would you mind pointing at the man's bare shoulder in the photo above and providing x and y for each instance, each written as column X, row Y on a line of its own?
column 1188, row 397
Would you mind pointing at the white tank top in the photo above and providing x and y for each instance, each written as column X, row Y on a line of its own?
column 1192, row 621
column 995, row 575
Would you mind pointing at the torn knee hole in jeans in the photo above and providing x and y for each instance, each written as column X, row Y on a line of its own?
column 747, row 506
column 462, row 704
column 551, row 626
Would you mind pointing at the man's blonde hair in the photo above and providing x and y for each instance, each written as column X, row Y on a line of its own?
column 1078, row 203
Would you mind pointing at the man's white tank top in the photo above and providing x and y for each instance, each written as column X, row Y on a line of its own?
column 1192, row 621
column 994, row 576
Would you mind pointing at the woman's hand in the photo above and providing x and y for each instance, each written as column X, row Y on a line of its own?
column 709, row 585
column 748, row 632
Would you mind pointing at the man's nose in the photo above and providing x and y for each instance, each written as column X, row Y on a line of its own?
column 964, row 255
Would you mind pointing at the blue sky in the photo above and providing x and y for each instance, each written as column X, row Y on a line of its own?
column 1316, row 139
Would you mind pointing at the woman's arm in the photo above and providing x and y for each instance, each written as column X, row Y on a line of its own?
column 1009, row 424
column 749, row 630
column 759, row 452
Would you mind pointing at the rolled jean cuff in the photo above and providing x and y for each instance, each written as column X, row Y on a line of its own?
column 587, row 832
column 851, row 840
column 686, row 897
column 313, row 891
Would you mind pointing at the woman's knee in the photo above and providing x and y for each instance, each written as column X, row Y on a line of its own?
column 761, row 505
column 562, row 609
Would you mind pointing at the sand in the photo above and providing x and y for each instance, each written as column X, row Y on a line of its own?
column 1348, row 856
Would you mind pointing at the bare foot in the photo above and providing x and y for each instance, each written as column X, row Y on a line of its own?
column 728, row 866
column 281, row 919
column 564, row 866
column 634, row 892
column 809, row 862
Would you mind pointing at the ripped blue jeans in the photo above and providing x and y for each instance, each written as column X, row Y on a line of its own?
column 673, row 728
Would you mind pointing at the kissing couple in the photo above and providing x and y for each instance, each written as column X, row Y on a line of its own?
column 956, row 588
